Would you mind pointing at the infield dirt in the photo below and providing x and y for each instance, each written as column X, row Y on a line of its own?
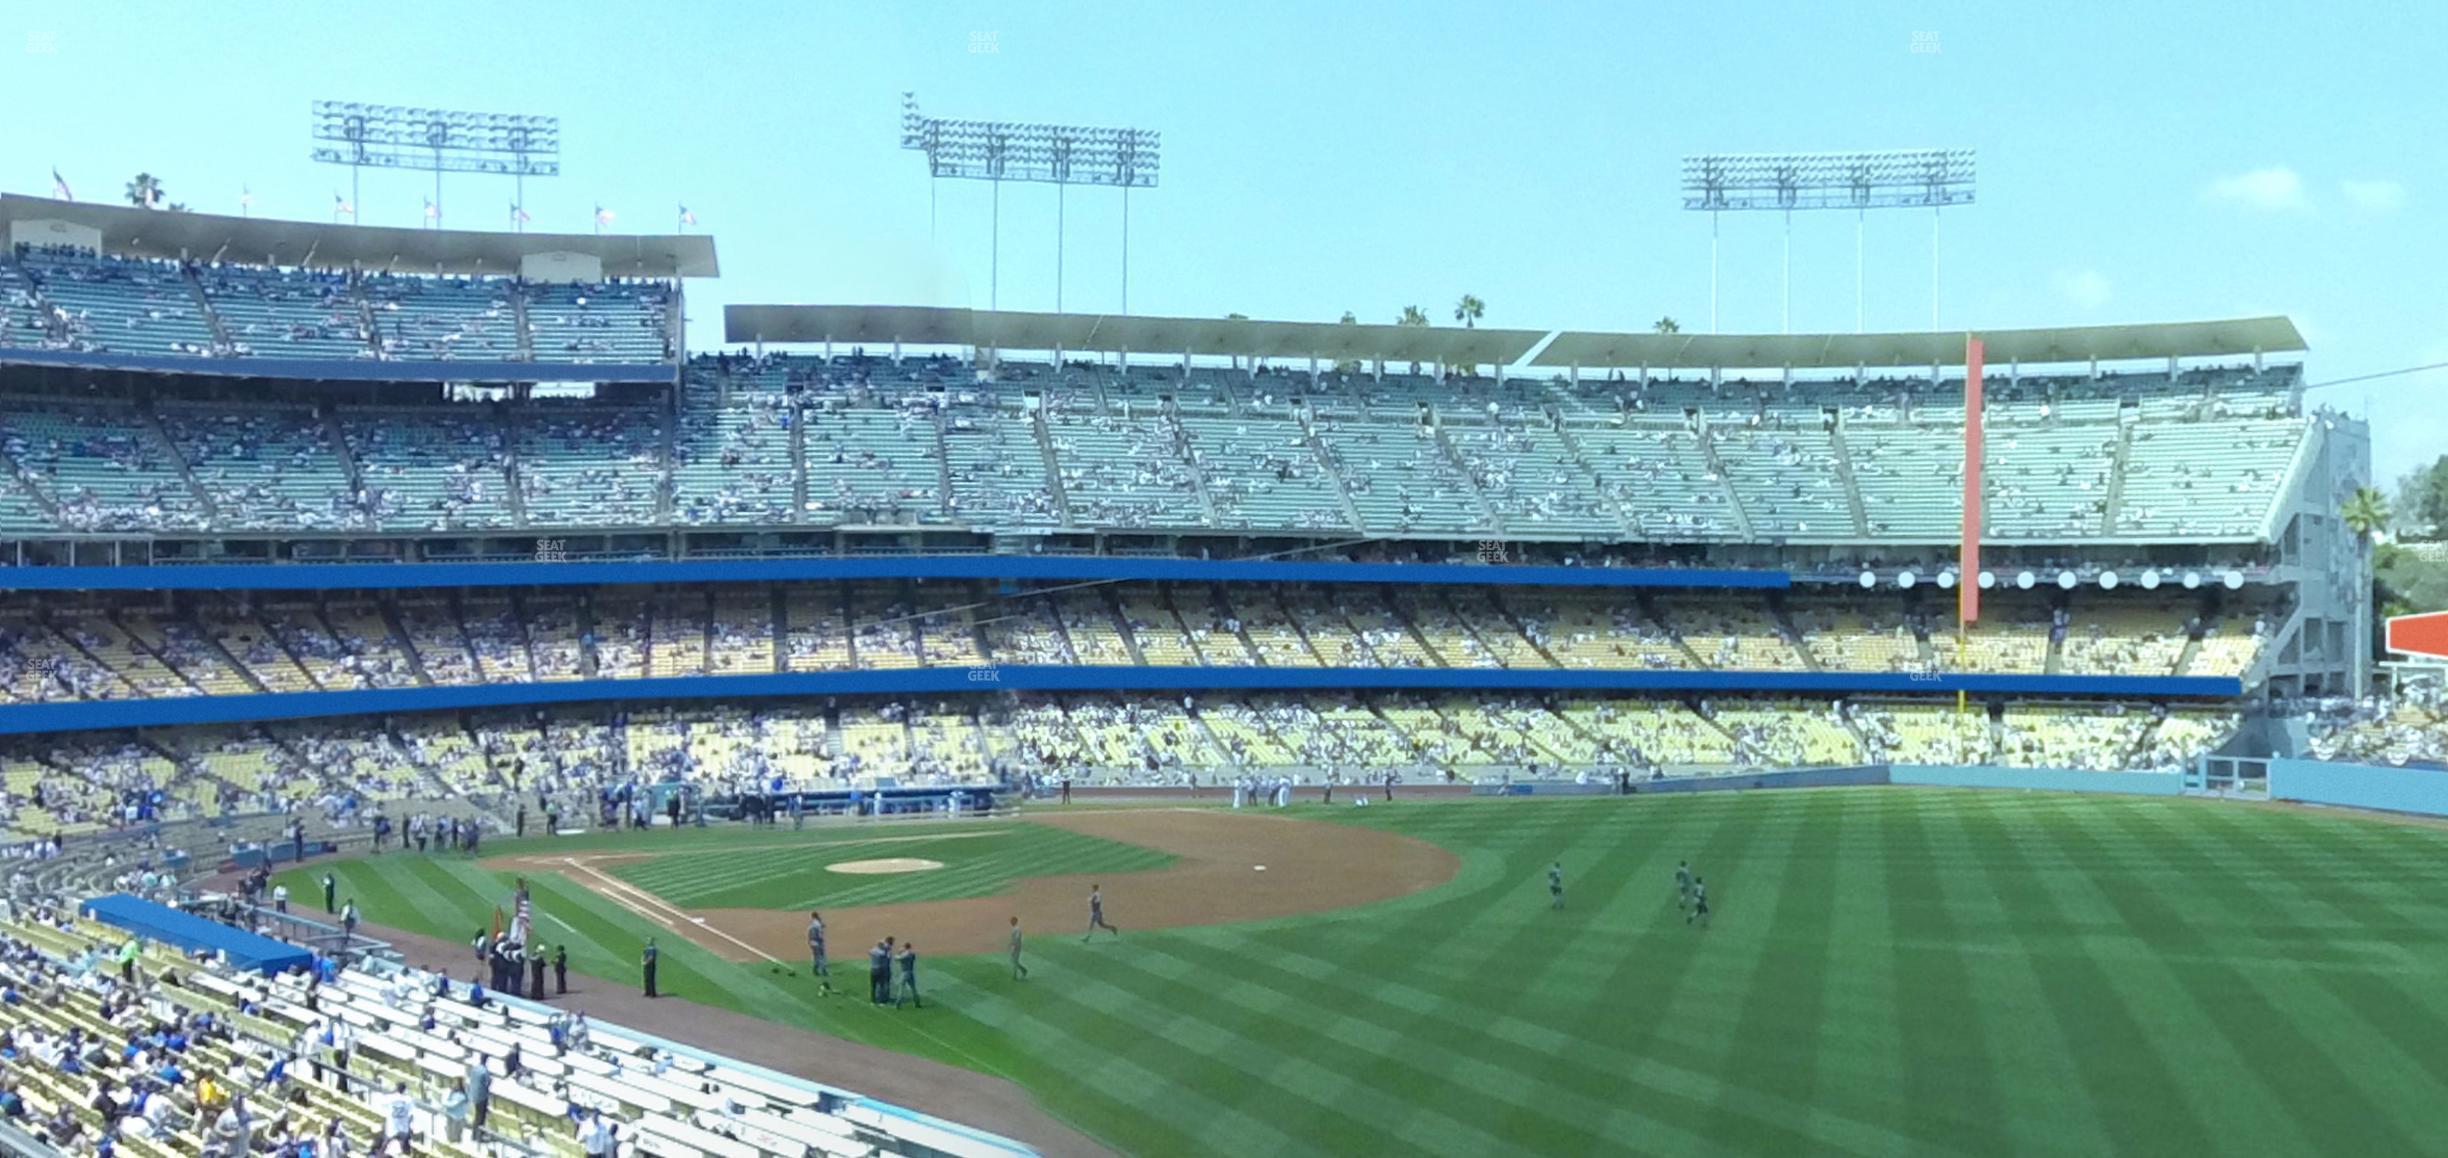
column 1310, row 866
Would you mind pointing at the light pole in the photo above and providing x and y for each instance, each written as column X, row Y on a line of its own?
column 1893, row 179
column 516, row 145
column 1059, row 155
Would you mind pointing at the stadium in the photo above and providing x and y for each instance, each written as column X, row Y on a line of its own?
column 1452, row 739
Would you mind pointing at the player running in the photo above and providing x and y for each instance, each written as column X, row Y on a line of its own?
column 1683, row 884
column 1096, row 914
column 1555, row 885
column 1700, row 909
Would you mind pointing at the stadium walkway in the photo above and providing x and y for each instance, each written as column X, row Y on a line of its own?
column 948, row 1092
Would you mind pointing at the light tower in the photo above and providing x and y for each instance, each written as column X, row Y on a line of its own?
column 1891, row 179
column 1059, row 155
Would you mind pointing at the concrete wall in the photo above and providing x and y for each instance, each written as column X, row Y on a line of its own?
column 2421, row 790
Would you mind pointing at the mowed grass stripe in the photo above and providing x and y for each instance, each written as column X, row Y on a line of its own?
column 1230, row 1005
column 1477, row 940
column 2291, row 1023
column 1859, row 1048
column 2179, row 1023
column 2077, row 1041
column 2040, row 1093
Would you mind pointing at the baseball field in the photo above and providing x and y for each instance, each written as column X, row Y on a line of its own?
column 1889, row 971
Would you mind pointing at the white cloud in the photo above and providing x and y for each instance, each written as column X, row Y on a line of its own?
column 2373, row 196
column 2087, row 288
column 2276, row 189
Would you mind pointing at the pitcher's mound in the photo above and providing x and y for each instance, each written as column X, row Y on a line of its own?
column 890, row 864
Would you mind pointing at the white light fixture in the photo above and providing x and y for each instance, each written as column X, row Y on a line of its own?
column 2025, row 580
column 1869, row 579
column 1906, row 580
column 2108, row 580
column 2150, row 579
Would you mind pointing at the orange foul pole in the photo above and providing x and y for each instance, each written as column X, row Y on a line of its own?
column 1967, row 576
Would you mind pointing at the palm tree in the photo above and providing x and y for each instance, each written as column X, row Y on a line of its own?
column 144, row 191
column 2366, row 513
column 1469, row 310
column 1667, row 325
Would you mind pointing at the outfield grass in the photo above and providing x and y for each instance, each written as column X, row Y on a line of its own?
column 1892, row 971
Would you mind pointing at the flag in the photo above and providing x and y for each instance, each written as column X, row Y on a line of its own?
column 59, row 185
column 522, row 918
column 341, row 204
column 603, row 216
column 153, row 196
column 432, row 213
column 519, row 214
column 686, row 217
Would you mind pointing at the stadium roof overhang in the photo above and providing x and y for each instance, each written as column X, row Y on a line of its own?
column 1089, row 333
column 2069, row 344
column 133, row 232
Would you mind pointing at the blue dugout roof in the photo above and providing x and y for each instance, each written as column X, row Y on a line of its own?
column 189, row 933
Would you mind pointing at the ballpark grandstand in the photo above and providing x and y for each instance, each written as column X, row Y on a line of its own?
column 321, row 536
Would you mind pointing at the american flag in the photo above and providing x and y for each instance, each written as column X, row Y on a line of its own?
column 686, row 217
column 603, row 216
column 341, row 204
column 432, row 212
column 59, row 185
column 519, row 214
column 522, row 919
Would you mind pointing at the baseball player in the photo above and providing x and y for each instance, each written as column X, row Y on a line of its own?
column 1700, row 909
column 1555, row 885
column 1683, row 884
column 1019, row 971
column 1096, row 914
column 816, row 955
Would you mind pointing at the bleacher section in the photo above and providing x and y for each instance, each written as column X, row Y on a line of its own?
column 55, row 298
column 865, row 442
column 285, row 1049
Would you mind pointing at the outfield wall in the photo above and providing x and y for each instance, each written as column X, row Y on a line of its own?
column 2418, row 790
column 2039, row 779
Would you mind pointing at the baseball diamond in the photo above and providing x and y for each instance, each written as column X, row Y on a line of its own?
column 1440, row 621
column 1889, row 971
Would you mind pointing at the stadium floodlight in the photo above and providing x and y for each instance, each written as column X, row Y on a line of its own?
column 1717, row 183
column 1059, row 155
column 441, row 141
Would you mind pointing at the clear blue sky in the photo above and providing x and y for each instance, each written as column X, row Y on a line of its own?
column 2137, row 162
